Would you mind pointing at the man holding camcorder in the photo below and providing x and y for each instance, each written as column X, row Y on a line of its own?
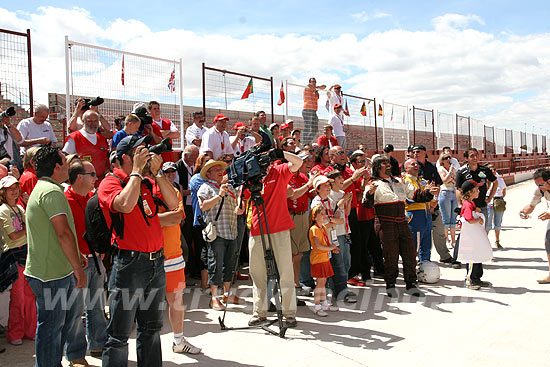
column 85, row 104
column 279, row 224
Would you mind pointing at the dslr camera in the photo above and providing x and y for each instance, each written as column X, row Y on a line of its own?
column 92, row 102
column 144, row 117
column 8, row 113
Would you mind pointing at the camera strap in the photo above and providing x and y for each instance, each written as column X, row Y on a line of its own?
column 158, row 202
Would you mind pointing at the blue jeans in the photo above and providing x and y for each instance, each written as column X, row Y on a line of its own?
column 221, row 260
column 494, row 218
column 338, row 282
column 58, row 309
column 137, row 288
column 448, row 204
column 341, row 141
column 421, row 226
column 344, row 243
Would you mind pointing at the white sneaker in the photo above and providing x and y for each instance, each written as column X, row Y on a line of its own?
column 321, row 312
column 185, row 347
column 332, row 308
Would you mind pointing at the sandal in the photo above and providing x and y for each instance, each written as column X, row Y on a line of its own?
column 498, row 245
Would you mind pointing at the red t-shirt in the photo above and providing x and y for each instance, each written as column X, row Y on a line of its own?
column 467, row 209
column 274, row 194
column 301, row 204
column 28, row 180
column 323, row 140
column 78, row 207
column 319, row 167
column 138, row 235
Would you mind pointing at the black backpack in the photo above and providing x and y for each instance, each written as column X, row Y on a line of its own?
column 98, row 234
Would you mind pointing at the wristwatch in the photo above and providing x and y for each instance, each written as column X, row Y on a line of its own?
column 160, row 173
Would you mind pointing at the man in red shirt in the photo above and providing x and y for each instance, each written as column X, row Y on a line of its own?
column 328, row 139
column 138, row 265
column 162, row 129
column 279, row 223
column 298, row 207
column 82, row 177
column 89, row 144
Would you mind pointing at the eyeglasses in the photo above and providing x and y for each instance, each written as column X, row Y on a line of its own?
column 340, row 153
column 93, row 174
column 446, row 158
column 228, row 161
column 540, row 185
column 361, row 162
column 170, row 171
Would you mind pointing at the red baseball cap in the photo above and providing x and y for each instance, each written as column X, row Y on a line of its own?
column 238, row 125
column 337, row 86
column 284, row 126
column 337, row 105
column 220, row 116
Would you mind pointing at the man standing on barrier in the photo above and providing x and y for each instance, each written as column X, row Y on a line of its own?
column 137, row 283
column 279, row 223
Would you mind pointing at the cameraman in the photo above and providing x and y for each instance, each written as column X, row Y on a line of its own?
column 76, row 122
column 279, row 223
column 138, row 264
column 36, row 130
column 9, row 138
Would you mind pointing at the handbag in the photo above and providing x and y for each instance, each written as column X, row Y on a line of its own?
column 8, row 270
column 209, row 232
column 499, row 205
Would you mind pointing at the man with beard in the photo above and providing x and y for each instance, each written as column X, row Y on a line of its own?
column 90, row 145
column 194, row 133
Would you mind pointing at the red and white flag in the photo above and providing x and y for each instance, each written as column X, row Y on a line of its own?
column 122, row 77
column 172, row 81
column 281, row 95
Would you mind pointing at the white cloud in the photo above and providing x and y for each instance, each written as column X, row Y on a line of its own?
column 449, row 22
column 452, row 67
column 363, row 16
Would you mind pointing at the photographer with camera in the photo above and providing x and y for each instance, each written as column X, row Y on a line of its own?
column 90, row 145
column 10, row 137
column 241, row 142
column 138, row 265
column 82, row 105
column 36, row 130
column 279, row 223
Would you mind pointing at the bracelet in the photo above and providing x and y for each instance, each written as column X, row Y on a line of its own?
column 136, row 175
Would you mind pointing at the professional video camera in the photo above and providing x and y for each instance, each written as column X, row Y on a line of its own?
column 249, row 168
column 164, row 146
column 8, row 113
column 144, row 117
column 92, row 102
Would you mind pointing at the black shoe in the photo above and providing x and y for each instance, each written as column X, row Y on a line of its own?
column 299, row 302
column 291, row 322
column 413, row 290
column 272, row 307
column 482, row 284
column 456, row 264
column 450, row 260
column 378, row 274
column 391, row 291
column 350, row 298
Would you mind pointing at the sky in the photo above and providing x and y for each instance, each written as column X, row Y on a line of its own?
column 485, row 59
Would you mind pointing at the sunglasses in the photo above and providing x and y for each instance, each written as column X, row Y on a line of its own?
column 340, row 153
column 361, row 162
column 446, row 158
column 540, row 185
column 93, row 174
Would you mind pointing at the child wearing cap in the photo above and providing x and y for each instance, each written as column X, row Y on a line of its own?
column 321, row 246
column 473, row 246
column 22, row 319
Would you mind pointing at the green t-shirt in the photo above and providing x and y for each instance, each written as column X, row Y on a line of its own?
column 12, row 220
column 46, row 260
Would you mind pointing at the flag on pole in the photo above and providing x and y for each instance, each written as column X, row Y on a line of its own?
column 248, row 91
column 122, row 77
column 327, row 105
column 172, row 81
column 364, row 109
column 380, row 113
column 281, row 95
column 346, row 109
column 391, row 119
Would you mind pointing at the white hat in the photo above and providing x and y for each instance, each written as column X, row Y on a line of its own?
column 319, row 180
column 8, row 181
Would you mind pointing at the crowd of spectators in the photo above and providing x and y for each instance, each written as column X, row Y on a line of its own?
column 336, row 219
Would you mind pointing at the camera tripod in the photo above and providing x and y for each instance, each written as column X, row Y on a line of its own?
column 271, row 267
